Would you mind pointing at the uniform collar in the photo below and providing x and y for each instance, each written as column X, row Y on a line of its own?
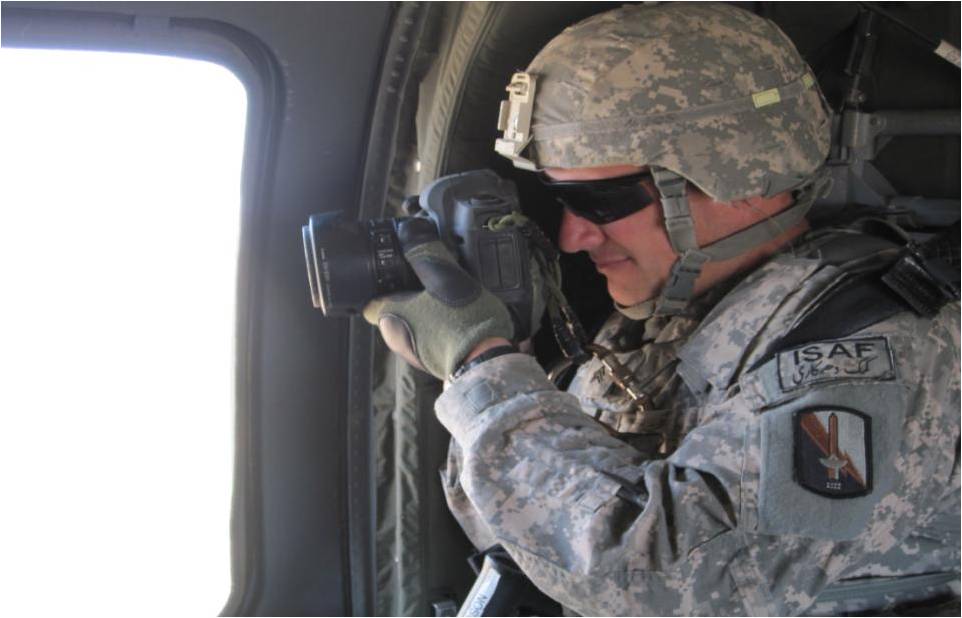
column 731, row 332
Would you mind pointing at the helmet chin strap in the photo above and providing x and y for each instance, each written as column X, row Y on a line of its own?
column 680, row 288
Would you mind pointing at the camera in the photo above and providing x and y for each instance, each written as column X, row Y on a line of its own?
column 350, row 262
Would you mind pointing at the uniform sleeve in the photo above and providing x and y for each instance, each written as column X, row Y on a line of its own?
column 591, row 524
column 867, row 536
column 722, row 526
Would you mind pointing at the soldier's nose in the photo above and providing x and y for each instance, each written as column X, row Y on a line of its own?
column 577, row 234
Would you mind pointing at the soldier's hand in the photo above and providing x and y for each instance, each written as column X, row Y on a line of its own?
column 434, row 330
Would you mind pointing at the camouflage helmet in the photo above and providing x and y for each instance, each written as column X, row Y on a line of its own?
column 711, row 92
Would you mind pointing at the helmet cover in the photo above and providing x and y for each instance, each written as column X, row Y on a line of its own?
column 711, row 92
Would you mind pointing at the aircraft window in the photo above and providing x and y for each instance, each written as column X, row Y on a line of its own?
column 120, row 205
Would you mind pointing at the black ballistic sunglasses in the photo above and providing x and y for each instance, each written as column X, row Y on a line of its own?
column 602, row 201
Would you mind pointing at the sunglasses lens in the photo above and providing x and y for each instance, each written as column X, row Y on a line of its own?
column 603, row 201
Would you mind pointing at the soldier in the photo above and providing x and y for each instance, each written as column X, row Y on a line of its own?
column 791, row 444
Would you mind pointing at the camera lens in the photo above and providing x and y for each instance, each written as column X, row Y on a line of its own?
column 349, row 263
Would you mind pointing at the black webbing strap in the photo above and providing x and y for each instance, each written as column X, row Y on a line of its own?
column 922, row 279
column 856, row 304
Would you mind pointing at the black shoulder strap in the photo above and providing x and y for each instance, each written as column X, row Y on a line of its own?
column 855, row 304
column 922, row 279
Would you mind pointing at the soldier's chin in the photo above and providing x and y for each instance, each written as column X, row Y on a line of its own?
column 626, row 297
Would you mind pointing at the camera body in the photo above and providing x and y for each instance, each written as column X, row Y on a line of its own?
column 350, row 263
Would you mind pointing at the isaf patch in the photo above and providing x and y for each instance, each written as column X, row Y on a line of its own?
column 833, row 452
column 868, row 358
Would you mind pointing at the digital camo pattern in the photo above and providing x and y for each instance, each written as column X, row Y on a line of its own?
column 655, row 362
column 685, row 86
column 607, row 529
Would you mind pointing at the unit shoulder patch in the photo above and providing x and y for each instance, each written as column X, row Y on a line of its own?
column 864, row 358
column 833, row 452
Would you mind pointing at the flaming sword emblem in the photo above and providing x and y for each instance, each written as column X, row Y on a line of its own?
column 834, row 462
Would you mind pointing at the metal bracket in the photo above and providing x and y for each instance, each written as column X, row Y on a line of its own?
column 863, row 135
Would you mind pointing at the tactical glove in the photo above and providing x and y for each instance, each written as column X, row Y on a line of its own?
column 435, row 329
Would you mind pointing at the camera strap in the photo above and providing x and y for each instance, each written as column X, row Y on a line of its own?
column 565, row 325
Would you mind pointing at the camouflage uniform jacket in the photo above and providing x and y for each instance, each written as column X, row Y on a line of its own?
column 721, row 525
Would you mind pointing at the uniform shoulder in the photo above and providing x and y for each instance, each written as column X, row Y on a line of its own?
column 826, row 286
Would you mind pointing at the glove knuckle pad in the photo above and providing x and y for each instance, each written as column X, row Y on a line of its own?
column 416, row 231
column 447, row 282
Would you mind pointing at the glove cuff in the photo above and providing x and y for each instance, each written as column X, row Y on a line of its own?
column 487, row 327
column 487, row 355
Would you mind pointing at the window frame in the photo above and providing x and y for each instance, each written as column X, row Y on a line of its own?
column 301, row 538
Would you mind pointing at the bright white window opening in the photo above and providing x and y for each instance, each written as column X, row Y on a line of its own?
column 120, row 201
